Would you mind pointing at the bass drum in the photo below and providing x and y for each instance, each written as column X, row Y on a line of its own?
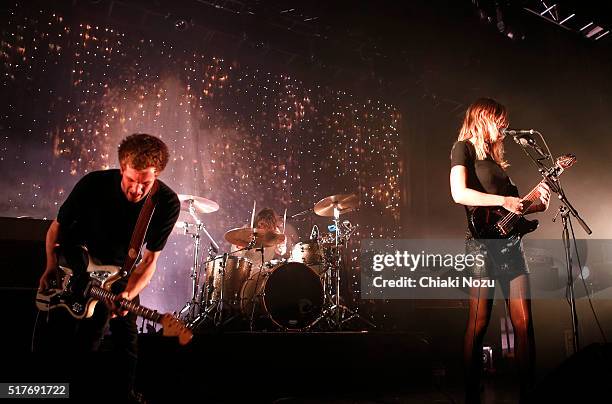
column 290, row 295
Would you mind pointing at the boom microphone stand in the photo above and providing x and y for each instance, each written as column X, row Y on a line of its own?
column 551, row 177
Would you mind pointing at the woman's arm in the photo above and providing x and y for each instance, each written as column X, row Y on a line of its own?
column 467, row 196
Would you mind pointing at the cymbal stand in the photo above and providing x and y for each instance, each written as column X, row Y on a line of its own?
column 336, row 313
column 193, row 306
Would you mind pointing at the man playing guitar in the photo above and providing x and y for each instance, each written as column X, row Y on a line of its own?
column 101, row 213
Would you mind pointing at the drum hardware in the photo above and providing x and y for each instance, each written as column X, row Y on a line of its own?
column 334, row 312
column 291, row 295
column 231, row 274
column 225, row 275
column 192, row 205
column 253, row 238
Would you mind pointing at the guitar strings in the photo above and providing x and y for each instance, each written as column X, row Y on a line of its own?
column 531, row 197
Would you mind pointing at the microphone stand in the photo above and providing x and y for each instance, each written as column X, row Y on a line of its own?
column 550, row 175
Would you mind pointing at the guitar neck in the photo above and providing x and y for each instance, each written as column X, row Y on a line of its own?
column 100, row 294
column 527, row 201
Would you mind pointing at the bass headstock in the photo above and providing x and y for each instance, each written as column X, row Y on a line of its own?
column 565, row 161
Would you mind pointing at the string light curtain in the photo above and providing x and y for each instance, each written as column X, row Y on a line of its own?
column 73, row 90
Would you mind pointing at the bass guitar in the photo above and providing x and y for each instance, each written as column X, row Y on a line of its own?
column 495, row 222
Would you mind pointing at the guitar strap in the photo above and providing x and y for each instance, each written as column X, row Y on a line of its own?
column 142, row 224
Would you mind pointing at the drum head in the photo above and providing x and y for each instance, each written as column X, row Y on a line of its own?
column 293, row 295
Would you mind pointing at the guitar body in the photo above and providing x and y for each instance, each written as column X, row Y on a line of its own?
column 486, row 222
column 72, row 289
column 79, row 290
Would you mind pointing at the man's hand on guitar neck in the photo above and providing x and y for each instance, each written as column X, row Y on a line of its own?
column 114, row 305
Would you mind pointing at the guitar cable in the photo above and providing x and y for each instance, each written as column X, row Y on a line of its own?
column 34, row 330
column 601, row 331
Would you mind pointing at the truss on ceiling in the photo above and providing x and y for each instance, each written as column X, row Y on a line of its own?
column 570, row 19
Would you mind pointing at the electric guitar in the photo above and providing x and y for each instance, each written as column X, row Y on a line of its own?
column 80, row 291
column 495, row 222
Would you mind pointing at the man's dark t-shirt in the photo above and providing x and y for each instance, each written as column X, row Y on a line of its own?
column 98, row 215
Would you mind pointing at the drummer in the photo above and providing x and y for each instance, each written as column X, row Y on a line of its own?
column 266, row 220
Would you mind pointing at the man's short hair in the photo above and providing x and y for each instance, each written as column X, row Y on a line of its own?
column 142, row 151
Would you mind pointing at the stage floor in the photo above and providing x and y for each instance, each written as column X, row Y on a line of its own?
column 322, row 367
column 340, row 367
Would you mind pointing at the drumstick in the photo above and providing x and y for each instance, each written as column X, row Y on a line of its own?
column 285, row 221
column 253, row 214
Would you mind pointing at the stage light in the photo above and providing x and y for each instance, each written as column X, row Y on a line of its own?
column 596, row 30
column 182, row 25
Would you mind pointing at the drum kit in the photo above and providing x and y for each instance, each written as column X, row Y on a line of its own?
column 298, row 293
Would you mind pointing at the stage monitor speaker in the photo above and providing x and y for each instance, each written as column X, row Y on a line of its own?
column 22, row 251
column 585, row 377
column 22, row 260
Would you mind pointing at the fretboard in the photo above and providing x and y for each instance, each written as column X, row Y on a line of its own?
column 99, row 294
column 528, row 200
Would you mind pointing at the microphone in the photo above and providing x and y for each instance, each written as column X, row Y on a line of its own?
column 514, row 132
column 523, row 137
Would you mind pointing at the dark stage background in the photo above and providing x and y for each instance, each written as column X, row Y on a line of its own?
column 286, row 103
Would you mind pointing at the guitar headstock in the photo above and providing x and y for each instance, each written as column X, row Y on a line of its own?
column 173, row 327
column 566, row 161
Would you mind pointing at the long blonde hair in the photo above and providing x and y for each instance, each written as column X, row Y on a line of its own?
column 480, row 118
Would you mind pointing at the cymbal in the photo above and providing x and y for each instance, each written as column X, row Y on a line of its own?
column 243, row 236
column 344, row 202
column 201, row 205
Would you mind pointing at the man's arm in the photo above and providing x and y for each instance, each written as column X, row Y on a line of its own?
column 142, row 274
column 50, row 245
column 139, row 279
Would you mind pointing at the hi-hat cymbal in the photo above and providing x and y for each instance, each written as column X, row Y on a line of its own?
column 344, row 202
column 201, row 205
column 243, row 236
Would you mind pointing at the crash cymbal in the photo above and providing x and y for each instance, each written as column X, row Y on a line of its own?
column 344, row 202
column 201, row 205
column 243, row 236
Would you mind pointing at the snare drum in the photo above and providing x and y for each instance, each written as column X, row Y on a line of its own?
column 237, row 271
column 289, row 294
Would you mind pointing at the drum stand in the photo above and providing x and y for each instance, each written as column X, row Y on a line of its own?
column 193, row 307
column 213, row 311
column 216, row 310
column 337, row 314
